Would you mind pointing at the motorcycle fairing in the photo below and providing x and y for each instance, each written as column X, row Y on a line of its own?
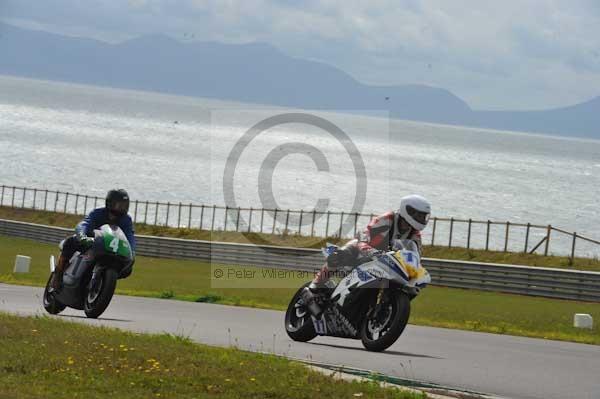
column 320, row 325
column 79, row 267
column 334, row 324
column 411, row 262
column 359, row 278
column 384, row 267
column 112, row 240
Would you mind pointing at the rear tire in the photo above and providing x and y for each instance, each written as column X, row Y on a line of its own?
column 51, row 304
column 298, row 323
column 98, row 298
column 393, row 325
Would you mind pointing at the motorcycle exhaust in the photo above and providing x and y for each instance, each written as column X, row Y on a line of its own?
column 52, row 264
column 309, row 299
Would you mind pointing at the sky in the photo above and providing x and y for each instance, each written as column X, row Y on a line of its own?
column 508, row 54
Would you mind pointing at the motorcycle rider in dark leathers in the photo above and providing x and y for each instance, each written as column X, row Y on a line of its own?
column 114, row 213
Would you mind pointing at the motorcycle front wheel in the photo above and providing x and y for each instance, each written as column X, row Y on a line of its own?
column 100, row 293
column 379, row 331
column 298, row 323
column 51, row 304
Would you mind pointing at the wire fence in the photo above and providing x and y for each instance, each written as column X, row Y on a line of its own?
column 451, row 232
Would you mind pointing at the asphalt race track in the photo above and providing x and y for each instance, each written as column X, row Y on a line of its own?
column 505, row 366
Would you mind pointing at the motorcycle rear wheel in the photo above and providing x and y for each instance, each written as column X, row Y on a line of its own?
column 394, row 322
column 98, row 298
column 51, row 304
column 298, row 323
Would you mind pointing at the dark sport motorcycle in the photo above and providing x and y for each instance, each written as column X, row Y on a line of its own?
column 372, row 303
column 90, row 279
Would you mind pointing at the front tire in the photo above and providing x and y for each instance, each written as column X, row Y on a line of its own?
column 51, row 304
column 298, row 323
column 379, row 332
column 98, row 296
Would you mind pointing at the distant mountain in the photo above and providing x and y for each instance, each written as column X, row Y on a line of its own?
column 258, row 73
column 582, row 120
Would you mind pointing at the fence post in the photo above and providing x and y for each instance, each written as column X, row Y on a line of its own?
column 312, row 226
column 12, row 201
column 327, row 224
column 2, row 197
column 547, row 240
column 287, row 220
column 506, row 237
column 45, row 198
column 237, row 221
column 55, row 199
column 274, row 221
column 146, row 213
column 250, row 221
column 135, row 209
column 85, row 202
column 156, row 213
column 179, row 216
column 469, row 234
column 201, row 215
column 433, row 231
column 66, row 201
column 76, row 203
column 341, row 224
column 23, row 198
column 190, row 216
column 487, row 236
column 573, row 249
column 214, row 212
column 225, row 222
column 168, row 212
column 300, row 223
column 450, row 235
column 34, row 197
column 355, row 224
column 527, row 237
column 262, row 218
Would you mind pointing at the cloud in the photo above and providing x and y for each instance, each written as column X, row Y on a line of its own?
column 510, row 54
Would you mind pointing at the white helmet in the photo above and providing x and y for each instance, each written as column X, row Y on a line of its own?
column 415, row 210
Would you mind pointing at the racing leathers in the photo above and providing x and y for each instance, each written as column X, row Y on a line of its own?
column 377, row 236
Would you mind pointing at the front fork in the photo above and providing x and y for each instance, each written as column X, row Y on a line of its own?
column 378, row 303
column 94, row 280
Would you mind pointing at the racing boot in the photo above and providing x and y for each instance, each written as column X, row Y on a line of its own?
column 322, row 284
column 57, row 277
column 319, row 283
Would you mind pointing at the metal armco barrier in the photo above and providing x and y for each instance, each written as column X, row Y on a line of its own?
column 534, row 281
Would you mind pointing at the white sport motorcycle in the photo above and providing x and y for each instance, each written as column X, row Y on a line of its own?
column 372, row 303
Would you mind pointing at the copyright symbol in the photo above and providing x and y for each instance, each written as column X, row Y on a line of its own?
column 268, row 166
column 218, row 273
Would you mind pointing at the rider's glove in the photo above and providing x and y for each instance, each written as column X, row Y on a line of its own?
column 346, row 256
column 81, row 236
column 333, row 260
column 85, row 241
column 88, row 242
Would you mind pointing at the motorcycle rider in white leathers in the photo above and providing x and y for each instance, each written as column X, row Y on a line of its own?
column 405, row 223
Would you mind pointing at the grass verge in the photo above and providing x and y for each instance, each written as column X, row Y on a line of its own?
column 436, row 306
column 44, row 357
column 295, row 240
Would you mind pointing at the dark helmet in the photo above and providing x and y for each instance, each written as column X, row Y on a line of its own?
column 117, row 202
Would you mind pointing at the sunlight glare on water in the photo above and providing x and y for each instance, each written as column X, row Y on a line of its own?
column 85, row 139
